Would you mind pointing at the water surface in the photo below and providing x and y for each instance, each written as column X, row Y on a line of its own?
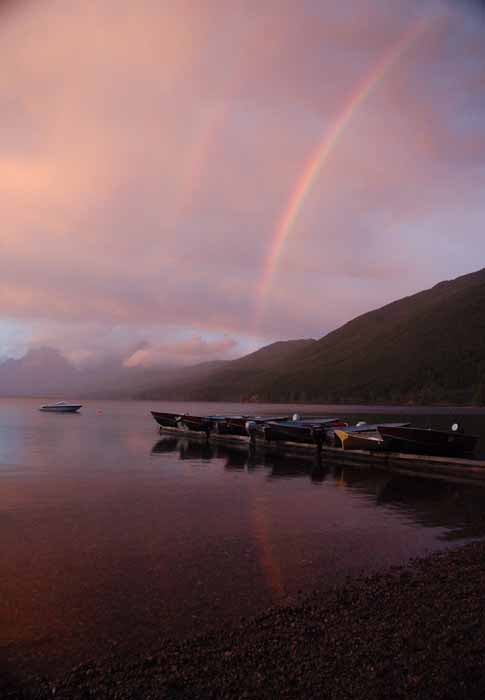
column 115, row 537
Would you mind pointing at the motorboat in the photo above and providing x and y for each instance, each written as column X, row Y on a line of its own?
column 61, row 407
column 454, row 443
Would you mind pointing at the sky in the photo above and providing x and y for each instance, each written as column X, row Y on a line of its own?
column 194, row 179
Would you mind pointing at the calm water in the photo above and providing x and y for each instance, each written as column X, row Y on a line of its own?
column 114, row 537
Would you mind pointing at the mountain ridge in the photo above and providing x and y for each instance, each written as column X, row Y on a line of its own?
column 425, row 347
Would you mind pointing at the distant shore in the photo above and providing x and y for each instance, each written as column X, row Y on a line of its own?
column 415, row 632
column 385, row 407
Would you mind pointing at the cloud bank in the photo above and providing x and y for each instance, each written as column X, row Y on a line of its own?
column 149, row 151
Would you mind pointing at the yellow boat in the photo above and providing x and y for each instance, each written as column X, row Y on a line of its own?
column 360, row 441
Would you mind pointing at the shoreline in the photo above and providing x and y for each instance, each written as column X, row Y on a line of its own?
column 414, row 632
column 341, row 405
column 399, row 407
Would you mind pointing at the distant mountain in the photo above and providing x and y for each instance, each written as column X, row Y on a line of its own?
column 425, row 348
column 236, row 380
column 44, row 372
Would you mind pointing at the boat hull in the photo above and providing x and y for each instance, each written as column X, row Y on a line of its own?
column 61, row 409
column 237, row 425
column 307, row 432
column 370, row 441
column 166, row 420
column 364, row 429
column 231, row 426
column 428, row 442
column 198, row 424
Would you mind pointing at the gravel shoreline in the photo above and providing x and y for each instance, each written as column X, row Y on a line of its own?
column 415, row 632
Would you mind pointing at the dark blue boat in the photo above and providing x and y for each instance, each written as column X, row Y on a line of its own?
column 310, row 431
column 199, row 424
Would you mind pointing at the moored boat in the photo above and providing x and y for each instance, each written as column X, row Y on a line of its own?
column 306, row 431
column 362, row 440
column 166, row 420
column 427, row 441
column 61, row 407
column 199, row 424
column 230, row 425
column 238, row 425
column 367, row 430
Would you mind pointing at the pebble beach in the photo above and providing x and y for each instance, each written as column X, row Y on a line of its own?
column 414, row 632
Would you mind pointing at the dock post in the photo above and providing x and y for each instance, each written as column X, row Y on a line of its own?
column 251, row 431
column 318, row 439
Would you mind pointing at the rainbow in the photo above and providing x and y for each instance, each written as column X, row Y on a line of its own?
column 268, row 562
column 322, row 152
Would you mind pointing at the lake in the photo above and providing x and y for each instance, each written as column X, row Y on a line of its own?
column 114, row 537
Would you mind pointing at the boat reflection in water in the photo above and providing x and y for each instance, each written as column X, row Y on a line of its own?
column 450, row 504
column 245, row 458
column 186, row 449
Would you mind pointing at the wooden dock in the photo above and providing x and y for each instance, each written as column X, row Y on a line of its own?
column 423, row 465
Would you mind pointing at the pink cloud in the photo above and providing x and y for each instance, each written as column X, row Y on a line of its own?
column 149, row 152
column 186, row 352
